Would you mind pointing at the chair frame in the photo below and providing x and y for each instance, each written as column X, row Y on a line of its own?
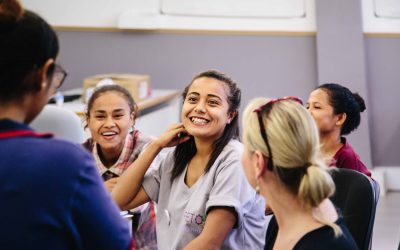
column 348, row 181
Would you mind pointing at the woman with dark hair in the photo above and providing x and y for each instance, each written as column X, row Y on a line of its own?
column 52, row 197
column 115, row 144
column 204, row 200
column 336, row 111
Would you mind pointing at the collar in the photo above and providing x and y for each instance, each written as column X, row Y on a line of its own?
column 13, row 129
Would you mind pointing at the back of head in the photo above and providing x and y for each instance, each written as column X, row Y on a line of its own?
column 26, row 43
column 344, row 101
column 294, row 142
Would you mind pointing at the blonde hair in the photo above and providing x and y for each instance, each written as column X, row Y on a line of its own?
column 294, row 142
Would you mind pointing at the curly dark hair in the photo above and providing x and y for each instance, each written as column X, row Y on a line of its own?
column 344, row 101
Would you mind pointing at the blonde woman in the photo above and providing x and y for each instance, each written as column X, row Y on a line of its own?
column 282, row 160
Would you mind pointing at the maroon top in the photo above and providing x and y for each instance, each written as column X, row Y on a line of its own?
column 345, row 157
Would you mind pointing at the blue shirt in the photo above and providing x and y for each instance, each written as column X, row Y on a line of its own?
column 51, row 196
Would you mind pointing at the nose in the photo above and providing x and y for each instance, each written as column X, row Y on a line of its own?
column 109, row 122
column 310, row 111
column 200, row 108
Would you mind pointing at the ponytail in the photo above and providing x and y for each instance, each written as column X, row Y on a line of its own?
column 316, row 186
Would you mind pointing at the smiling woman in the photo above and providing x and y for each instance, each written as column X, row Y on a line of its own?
column 200, row 188
column 115, row 144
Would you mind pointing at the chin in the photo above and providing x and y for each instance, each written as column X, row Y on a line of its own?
column 108, row 145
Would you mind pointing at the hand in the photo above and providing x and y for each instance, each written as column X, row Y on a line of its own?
column 175, row 135
column 110, row 184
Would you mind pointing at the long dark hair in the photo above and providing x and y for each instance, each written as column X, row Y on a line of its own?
column 26, row 43
column 344, row 101
column 184, row 152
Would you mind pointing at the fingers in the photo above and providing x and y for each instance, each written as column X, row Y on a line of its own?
column 110, row 184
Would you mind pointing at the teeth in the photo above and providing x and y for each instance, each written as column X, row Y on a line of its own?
column 108, row 133
column 199, row 120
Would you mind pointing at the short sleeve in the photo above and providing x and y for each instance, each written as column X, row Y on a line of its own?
column 230, row 189
column 152, row 179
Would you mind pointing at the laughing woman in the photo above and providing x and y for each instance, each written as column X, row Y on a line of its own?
column 110, row 117
column 204, row 200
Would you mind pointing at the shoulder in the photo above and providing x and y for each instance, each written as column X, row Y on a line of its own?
column 233, row 151
column 346, row 152
column 229, row 158
column 64, row 153
column 346, row 157
column 141, row 139
column 272, row 232
column 88, row 144
column 324, row 238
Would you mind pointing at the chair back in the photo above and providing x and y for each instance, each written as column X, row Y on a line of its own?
column 63, row 123
column 356, row 196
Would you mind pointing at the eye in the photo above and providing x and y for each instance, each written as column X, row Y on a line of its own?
column 118, row 116
column 99, row 117
column 213, row 102
column 191, row 99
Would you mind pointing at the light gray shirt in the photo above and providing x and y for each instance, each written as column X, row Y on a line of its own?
column 182, row 211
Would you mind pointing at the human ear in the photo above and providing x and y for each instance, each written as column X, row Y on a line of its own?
column 133, row 118
column 260, row 164
column 45, row 74
column 341, row 119
column 231, row 116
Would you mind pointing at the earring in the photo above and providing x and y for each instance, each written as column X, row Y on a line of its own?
column 258, row 188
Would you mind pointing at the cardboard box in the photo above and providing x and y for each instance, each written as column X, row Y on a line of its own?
column 137, row 85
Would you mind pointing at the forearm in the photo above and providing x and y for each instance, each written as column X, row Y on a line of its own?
column 218, row 225
column 200, row 243
column 130, row 182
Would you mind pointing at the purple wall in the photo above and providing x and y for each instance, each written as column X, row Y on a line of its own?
column 263, row 65
column 383, row 76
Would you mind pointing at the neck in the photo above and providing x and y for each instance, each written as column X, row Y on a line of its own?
column 109, row 157
column 330, row 143
column 287, row 209
column 204, row 148
column 13, row 112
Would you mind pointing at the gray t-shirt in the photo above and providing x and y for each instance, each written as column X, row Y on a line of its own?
column 182, row 210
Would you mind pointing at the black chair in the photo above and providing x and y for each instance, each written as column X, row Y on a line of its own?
column 356, row 197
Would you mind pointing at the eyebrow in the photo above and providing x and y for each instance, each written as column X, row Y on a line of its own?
column 208, row 95
column 114, row 111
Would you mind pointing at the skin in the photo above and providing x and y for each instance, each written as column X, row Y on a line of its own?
column 110, row 119
column 204, row 116
column 329, row 124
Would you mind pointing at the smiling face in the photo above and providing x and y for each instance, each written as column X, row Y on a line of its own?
column 205, row 109
column 109, row 122
column 322, row 111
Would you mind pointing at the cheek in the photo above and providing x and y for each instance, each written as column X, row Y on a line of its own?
column 93, row 127
column 248, row 169
column 125, row 127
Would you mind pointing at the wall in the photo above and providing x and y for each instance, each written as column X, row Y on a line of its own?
column 383, row 75
column 263, row 65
